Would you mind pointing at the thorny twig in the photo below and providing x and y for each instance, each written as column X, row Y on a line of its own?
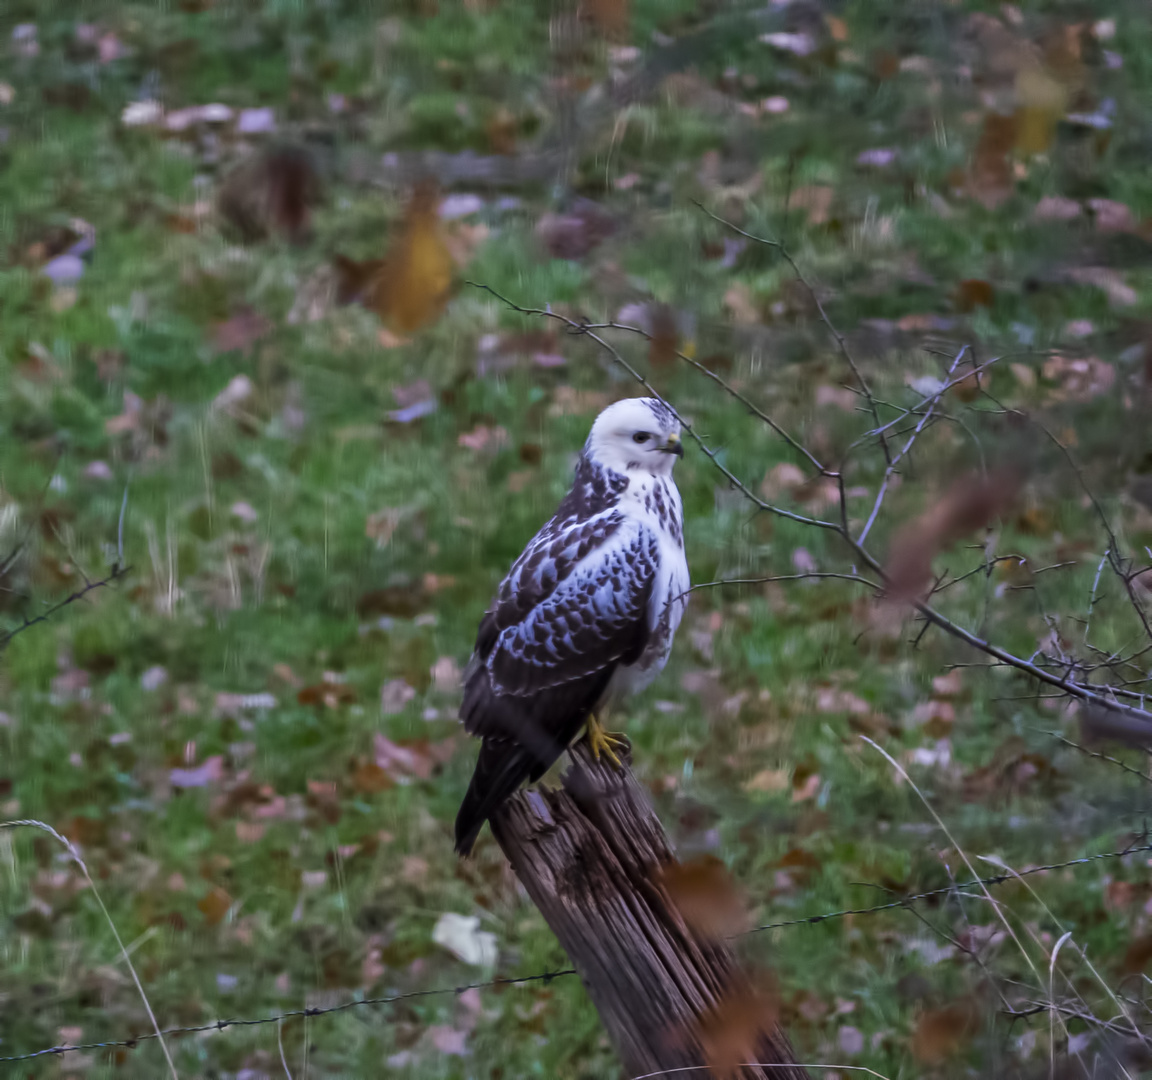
column 1121, row 567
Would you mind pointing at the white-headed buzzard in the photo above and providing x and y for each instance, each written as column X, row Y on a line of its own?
column 586, row 614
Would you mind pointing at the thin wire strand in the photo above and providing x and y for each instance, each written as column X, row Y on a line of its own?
column 548, row 976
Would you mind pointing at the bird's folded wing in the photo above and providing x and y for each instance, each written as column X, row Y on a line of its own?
column 589, row 611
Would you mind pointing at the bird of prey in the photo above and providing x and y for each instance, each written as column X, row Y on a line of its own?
column 586, row 614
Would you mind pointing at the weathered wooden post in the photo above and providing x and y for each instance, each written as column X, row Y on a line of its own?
column 590, row 856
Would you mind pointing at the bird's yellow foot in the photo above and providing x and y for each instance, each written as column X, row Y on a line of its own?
column 605, row 742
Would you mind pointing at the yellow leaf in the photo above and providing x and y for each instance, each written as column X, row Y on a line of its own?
column 769, row 780
column 1043, row 101
column 412, row 286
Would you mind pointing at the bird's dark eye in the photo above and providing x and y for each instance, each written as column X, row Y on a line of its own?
column 641, row 437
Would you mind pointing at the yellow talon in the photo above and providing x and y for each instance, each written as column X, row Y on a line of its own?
column 605, row 742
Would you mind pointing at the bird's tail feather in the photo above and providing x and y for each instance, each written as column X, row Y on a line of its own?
column 500, row 769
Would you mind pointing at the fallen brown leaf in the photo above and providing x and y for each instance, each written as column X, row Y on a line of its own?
column 1043, row 100
column 990, row 180
column 974, row 293
column 941, row 1032
column 214, row 905
column 610, row 17
column 329, row 694
column 705, row 895
column 368, row 778
column 272, row 191
column 969, row 504
column 574, row 234
column 240, row 332
column 1137, row 955
column 733, row 1031
column 815, row 199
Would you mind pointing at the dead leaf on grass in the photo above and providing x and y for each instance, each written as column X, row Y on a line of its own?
column 273, row 191
column 664, row 339
column 1137, row 955
column 1042, row 101
column 990, row 178
column 214, row 905
column 1110, row 282
column 974, row 293
column 461, row 935
column 240, row 332
column 368, row 778
column 741, row 305
column 573, row 234
column 327, row 693
column 941, row 1032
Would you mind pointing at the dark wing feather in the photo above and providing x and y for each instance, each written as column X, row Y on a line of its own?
column 571, row 611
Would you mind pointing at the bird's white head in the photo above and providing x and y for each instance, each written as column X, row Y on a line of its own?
column 637, row 434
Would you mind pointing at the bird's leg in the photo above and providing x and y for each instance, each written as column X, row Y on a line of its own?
column 602, row 741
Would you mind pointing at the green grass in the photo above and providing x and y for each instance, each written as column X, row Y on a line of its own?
column 266, row 606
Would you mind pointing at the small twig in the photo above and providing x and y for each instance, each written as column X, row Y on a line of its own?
column 582, row 329
column 930, row 399
column 114, row 574
column 754, row 409
column 1067, row 936
column 1112, row 552
column 120, row 528
column 786, row 255
column 1095, row 754
column 778, row 577
column 952, row 840
column 762, row 1065
column 903, row 453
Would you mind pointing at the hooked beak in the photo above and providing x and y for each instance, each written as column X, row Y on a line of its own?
column 674, row 445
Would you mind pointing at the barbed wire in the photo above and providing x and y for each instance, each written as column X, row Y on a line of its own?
column 547, row 976
column 975, row 883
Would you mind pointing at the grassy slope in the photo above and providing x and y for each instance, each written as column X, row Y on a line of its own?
column 282, row 589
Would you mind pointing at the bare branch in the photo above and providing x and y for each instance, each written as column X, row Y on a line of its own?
column 754, row 409
column 778, row 577
column 582, row 329
column 931, row 399
column 1095, row 754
